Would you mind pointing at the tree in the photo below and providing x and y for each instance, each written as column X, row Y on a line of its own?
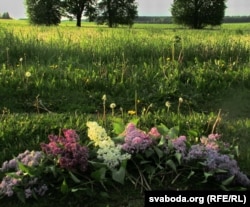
column 5, row 15
column 77, row 7
column 114, row 12
column 198, row 13
column 47, row 12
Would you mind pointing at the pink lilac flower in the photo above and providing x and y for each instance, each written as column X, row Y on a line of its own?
column 154, row 132
column 135, row 140
column 70, row 153
column 71, row 135
column 214, row 136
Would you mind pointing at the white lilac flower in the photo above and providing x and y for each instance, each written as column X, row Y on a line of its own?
column 108, row 151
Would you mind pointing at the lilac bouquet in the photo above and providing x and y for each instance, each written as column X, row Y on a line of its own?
column 67, row 151
column 27, row 174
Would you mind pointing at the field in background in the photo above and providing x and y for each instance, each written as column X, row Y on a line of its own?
column 55, row 77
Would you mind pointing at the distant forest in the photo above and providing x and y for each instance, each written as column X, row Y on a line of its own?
column 168, row 19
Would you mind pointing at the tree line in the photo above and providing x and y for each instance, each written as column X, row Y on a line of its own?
column 193, row 13
column 110, row 12
column 169, row 19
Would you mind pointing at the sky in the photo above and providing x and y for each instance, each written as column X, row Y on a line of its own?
column 16, row 8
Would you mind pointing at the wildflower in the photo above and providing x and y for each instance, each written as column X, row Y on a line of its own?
column 104, row 97
column 27, row 74
column 135, row 139
column 180, row 100
column 21, row 59
column 131, row 112
column 112, row 105
column 168, row 104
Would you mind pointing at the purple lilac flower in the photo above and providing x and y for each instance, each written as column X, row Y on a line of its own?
column 180, row 145
column 71, row 154
column 196, row 152
column 7, row 185
column 214, row 160
column 41, row 190
column 28, row 192
column 135, row 139
column 28, row 158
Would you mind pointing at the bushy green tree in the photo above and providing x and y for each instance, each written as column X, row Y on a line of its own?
column 76, row 8
column 46, row 12
column 198, row 13
column 5, row 15
column 115, row 12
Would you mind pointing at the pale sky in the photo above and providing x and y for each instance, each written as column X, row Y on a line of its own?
column 16, row 8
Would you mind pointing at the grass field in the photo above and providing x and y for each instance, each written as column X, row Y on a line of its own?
column 55, row 77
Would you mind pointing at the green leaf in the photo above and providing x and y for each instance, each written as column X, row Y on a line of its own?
column 21, row 196
column 158, row 152
column 134, row 120
column 221, row 171
column 190, row 174
column 119, row 175
column 207, row 175
column 53, row 170
column 162, row 129
column 178, row 156
column 99, row 174
column 74, row 178
column 64, row 187
column 172, row 165
column 118, row 125
column 228, row 181
column 77, row 189
column 236, row 149
column 192, row 133
column 25, row 169
column 162, row 141
column 173, row 132
column 149, row 152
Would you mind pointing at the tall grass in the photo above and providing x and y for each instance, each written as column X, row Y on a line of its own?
column 71, row 68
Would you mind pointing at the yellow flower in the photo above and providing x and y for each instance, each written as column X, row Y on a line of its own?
column 27, row 74
column 131, row 112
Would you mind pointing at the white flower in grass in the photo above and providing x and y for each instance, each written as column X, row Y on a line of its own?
column 27, row 74
column 180, row 100
column 112, row 105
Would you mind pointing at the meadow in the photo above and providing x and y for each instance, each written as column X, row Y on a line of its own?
column 52, row 78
